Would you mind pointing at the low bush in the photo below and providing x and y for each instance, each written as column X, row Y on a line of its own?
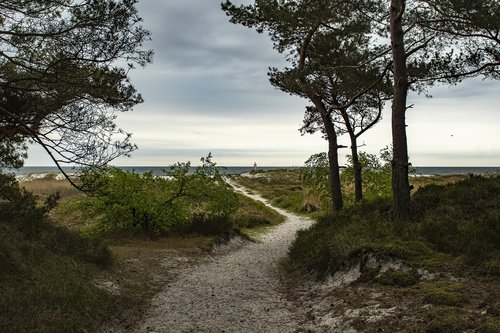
column 127, row 201
column 461, row 220
column 324, row 247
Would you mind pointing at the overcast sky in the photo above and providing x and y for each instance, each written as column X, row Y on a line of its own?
column 207, row 90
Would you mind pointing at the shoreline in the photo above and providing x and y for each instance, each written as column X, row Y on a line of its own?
column 32, row 175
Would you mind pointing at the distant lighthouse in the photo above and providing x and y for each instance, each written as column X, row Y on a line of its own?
column 255, row 166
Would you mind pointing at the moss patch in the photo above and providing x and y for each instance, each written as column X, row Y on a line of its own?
column 490, row 326
column 442, row 293
column 446, row 324
column 399, row 278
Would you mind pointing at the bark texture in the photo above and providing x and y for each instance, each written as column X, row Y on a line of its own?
column 400, row 184
column 358, row 180
column 333, row 159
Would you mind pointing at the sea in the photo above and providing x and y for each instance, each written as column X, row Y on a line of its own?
column 229, row 170
column 156, row 170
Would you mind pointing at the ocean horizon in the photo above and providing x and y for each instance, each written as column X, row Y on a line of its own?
column 159, row 170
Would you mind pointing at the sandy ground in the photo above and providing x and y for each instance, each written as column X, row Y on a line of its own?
column 238, row 291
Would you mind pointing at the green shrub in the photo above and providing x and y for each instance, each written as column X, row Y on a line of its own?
column 462, row 218
column 20, row 209
column 454, row 224
column 376, row 175
column 159, row 205
column 325, row 246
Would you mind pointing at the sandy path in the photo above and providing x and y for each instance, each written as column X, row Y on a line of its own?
column 235, row 292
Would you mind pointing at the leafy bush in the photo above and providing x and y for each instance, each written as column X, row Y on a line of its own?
column 316, row 174
column 376, row 174
column 157, row 205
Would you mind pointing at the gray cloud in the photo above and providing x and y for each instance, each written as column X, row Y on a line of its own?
column 197, row 35
column 207, row 90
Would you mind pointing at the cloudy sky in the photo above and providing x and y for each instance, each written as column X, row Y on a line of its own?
column 207, row 90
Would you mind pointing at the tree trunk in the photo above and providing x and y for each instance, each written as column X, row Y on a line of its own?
column 358, row 180
column 400, row 184
column 333, row 159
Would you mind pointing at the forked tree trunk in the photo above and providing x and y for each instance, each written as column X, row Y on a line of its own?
column 400, row 184
column 358, row 180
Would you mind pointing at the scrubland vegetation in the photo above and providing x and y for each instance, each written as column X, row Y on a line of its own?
column 56, row 248
column 451, row 250
column 45, row 270
column 57, row 243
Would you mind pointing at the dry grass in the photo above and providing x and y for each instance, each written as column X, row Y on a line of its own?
column 419, row 182
column 44, row 187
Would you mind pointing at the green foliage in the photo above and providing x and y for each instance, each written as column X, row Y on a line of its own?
column 376, row 175
column 44, row 268
column 462, row 218
column 456, row 223
column 324, row 247
column 12, row 152
column 252, row 214
column 64, row 73
column 316, row 175
column 158, row 205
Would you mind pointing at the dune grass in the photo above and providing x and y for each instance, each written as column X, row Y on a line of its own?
column 45, row 270
column 43, row 291
column 284, row 189
column 460, row 220
column 44, row 187
column 252, row 214
column 455, row 235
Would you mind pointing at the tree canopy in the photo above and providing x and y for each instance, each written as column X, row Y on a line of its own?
column 64, row 68
column 326, row 43
column 411, row 44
